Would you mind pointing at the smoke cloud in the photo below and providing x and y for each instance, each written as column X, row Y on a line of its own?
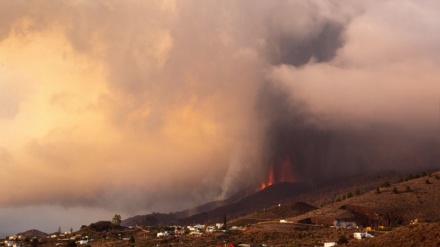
column 138, row 106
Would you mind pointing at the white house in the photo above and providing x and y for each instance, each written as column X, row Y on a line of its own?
column 361, row 235
column 9, row 243
column 162, row 234
column 83, row 241
column 200, row 227
column 330, row 244
column 210, row 229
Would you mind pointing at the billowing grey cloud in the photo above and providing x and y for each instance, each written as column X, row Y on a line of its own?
column 141, row 106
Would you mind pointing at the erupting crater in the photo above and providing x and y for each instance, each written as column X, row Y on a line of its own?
column 279, row 172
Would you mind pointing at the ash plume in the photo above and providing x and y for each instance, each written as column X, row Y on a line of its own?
column 318, row 152
column 142, row 106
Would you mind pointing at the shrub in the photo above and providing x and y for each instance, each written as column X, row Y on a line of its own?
column 349, row 195
column 427, row 181
column 386, row 184
column 342, row 240
column 338, row 199
column 377, row 191
column 357, row 192
column 436, row 177
column 407, row 188
column 395, row 191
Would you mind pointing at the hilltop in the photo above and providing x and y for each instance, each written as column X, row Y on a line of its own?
column 33, row 234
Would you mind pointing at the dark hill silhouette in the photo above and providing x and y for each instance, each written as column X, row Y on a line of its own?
column 264, row 198
column 248, row 201
column 156, row 219
column 33, row 233
column 101, row 226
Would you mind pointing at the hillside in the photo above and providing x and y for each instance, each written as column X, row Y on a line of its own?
column 264, row 198
column 248, row 201
column 409, row 213
column 419, row 201
column 422, row 234
column 33, row 233
column 157, row 219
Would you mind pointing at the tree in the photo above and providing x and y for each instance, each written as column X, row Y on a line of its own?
column 377, row 190
column 34, row 242
column 342, row 240
column 386, row 184
column 116, row 219
column 224, row 222
column 59, row 229
column 71, row 243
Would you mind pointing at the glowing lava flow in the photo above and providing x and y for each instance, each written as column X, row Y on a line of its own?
column 269, row 181
column 279, row 172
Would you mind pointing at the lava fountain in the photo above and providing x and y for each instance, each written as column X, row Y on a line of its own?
column 279, row 171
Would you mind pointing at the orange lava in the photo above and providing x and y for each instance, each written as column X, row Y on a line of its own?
column 269, row 180
column 283, row 172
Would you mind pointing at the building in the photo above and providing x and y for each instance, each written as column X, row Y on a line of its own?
column 361, row 235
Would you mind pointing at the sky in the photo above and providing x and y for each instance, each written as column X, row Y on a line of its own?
column 132, row 107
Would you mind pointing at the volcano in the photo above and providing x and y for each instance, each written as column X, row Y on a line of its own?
column 242, row 203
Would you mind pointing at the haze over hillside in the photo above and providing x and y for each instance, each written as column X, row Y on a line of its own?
column 403, row 204
column 133, row 107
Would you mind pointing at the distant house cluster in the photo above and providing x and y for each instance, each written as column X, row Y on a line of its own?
column 22, row 241
column 197, row 230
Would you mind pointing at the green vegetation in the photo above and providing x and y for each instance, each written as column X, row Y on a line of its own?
column 116, row 219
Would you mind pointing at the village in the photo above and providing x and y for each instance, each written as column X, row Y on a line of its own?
column 107, row 234
column 363, row 218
